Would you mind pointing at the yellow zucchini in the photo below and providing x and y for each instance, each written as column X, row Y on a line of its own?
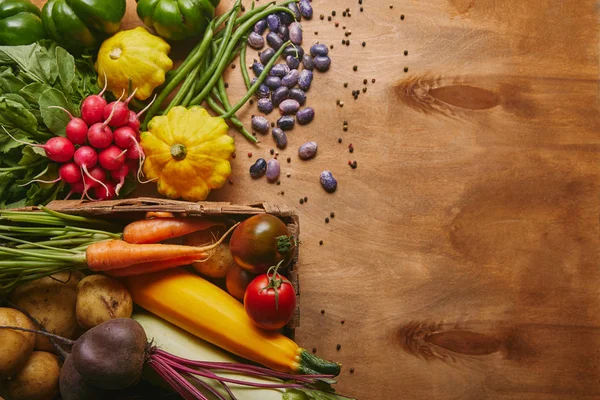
column 204, row 310
column 176, row 341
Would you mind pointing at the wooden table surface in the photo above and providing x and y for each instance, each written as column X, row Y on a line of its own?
column 463, row 256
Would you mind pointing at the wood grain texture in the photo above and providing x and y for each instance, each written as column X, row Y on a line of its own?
column 463, row 256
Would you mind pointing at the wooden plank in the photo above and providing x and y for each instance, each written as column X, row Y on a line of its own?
column 463, row 256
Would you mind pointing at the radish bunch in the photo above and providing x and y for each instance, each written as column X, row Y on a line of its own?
column 100, row 149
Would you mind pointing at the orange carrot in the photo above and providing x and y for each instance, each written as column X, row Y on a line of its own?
column 154, row 266
column 114, row 254
column 158, row 229
column 159, row 214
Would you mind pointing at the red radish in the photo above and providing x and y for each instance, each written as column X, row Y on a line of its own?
column 70, row 173
column 99, row 135
column 58, row 148
column 86, row 158
column 135, row 152
column 76, row 187
column 119, row 111
column 119, row 175
column 112, row 157
column 125, row 137
column 101, row 194
column 76, row 129
column 134, row 119
column 92, row 108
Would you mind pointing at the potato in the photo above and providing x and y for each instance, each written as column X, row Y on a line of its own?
column 37, row 380
column 15, row 346
column 51, row 301
column 220, row 260
column 100, row 298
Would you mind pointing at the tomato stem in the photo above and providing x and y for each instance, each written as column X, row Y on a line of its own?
column 275, row 281
column 285, row 243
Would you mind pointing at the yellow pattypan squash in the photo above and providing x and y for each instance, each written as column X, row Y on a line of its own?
column 134, row 54
column 187, row 152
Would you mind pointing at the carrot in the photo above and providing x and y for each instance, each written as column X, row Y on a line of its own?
column 158, row 229
column 115, row 254
column 154, row 266
column 159, row 214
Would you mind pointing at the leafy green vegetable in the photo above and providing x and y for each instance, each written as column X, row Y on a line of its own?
column 32, row 78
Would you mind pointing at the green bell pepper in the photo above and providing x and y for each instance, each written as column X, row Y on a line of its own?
column 82, row 24
column 177, row 19
column 20, row 23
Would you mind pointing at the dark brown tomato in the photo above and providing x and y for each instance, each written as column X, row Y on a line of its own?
column 237, row 281
column 260, row 242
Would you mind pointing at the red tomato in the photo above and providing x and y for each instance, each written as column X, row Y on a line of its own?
column 270, row 301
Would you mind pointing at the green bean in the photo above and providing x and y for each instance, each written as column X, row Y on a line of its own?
column 243, row 65
column 235, row 122
column 188, row 97
column 187, row 86
column 221, row 94
column 194, row 60
column 252, row 13
column 221, row 52
column 258, row 82
column 230, row 46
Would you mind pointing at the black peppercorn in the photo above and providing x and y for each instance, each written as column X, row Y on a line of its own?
column 338, row 347
column 405, row 69
column 305, row 199
column 365, row 81
column 329, row 18
column 405, row 52
column 314, row 349
column 339, row 140
column 402, row 17
column 355, row 68
column 322, row 311
column 326, row 220
column 332, row 214
column 351, row 370
column 289, row 159
column 361, row 9
column 301, row 201
column 333, row 13
column 364, row 44
column 320, row 243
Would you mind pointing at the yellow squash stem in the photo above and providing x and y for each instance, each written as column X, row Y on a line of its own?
column 204, row 310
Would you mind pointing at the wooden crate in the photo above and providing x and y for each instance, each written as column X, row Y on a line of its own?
column 137, row 207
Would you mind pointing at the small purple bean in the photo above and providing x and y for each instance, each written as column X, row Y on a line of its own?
column 286, row 122
column 294, row 51
column 260, row 124
column 273, row 21
column 298, row 95
column 279, row 95
column 308, row 62
column 265, row 105
column 284, row 33
column 308, row 150
column 266, row 55
column 296, row 33
column 306, row 9
column 328, row 181
column 256, row 41
column 285, row 18
column 292, row 62
column 273, row 82
column 305, row 115
column 258, row 169
column 263, row 91
column 280, row 138
column 291, row 78
column 274, row 40
column 257, row 68
column 294, row 8
column 318, row 49
column 273, row 170
column 260, row 27
column 305, row 80
column 289, row 106
column 279, row 70
column 322, row 63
